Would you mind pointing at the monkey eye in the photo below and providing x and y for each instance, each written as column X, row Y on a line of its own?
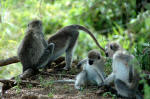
column 40, row 24
column 99, row 57
column 111, row 47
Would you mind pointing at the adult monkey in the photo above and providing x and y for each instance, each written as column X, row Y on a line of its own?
column 65, row 40
column 124, row 71
column 34, row 51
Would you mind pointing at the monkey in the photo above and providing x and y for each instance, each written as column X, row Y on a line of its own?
column 65, row 40
column 34, row 51
column 92, row 73
column 124, row 71
column 93, row 70
column 111, row 48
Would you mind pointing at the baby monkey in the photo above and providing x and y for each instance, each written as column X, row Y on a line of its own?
column 93, row 70
column 124, row 71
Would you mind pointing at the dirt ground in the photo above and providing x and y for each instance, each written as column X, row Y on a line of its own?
column 53, row 91
column 47, row 89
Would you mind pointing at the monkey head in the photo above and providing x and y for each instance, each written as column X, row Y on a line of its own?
column 111, row 48
column 35, row 25
column 94, row 57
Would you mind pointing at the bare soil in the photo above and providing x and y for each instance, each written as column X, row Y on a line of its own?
column 49, row 90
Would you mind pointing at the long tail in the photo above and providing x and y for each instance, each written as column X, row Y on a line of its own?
column 87, row 31
column 125, row 89
column 139, row 96
column 64, row 81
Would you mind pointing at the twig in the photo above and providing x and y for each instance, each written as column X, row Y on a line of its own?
column 15, row 59
column 7, row 84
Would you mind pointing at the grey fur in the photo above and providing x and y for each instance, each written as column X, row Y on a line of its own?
column 125, row 74
column 93, row 73
column 65, row 40
column 34, row 50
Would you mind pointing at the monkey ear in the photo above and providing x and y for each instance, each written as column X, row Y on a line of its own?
column 114, row 47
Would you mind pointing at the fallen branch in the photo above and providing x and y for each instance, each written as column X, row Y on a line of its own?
column 7, row 84
column 8, row 61
column 22, row 82
column 15, row 59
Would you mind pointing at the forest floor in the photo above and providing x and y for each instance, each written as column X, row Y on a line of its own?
column 47, row 89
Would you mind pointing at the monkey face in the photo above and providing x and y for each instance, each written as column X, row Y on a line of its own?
column 35, row 24
column 108, row 52
column 94, row 60
column 111, row 48
column 94, row 56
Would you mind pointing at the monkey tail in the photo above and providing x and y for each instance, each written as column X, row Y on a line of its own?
column 87, row 31
column 138, row 95
column 135, row 81
column 64, row 81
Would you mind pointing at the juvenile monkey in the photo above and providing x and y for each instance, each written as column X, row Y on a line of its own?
column 124, row 71
column 65, row 40
column 93, row 70
column 34, row 51
column 92, row 73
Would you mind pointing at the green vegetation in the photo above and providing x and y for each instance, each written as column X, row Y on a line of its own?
column 45, row 83
column 17, row 87
column 50, row 95
column 106, row 94
column 107, row 19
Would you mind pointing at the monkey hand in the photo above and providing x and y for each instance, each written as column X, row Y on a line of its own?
column 79, row 88
column 81, row 63
column 66, row 68
column 50, row 47
column 130, row 80
column 27, row 73
column 101, row 85
column 78, row 65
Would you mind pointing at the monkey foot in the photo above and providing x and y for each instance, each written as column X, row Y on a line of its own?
column 66, row 68
column 26, row 74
